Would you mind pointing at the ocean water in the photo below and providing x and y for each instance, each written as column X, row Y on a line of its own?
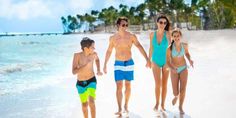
column 28, row 62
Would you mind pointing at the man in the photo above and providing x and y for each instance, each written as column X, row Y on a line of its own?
column 122, row 41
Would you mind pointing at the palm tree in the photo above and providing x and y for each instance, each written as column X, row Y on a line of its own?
column 141, row 14
column 95, row 13
column 108, row 16
column 177, row 6
column 64, row 23
column 187, row 12
column 90, row 19
column 123, row 10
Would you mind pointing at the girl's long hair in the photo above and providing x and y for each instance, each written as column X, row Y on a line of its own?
column 172, row 33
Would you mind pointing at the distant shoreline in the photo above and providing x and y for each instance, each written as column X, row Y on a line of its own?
column 46, row 33
column 8, row 34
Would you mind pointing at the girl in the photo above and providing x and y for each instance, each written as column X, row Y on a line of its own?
column 178, row 66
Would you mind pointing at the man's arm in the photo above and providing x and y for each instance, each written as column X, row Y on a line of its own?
column 151, row 48
column 108, row 54
column 140, row 47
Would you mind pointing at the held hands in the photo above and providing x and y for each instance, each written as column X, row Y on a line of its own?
column 174, row 69
column 99, row 73
column 105, row 69
column 148, row 64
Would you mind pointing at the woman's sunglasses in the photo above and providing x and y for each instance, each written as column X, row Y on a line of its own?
column 162, row 22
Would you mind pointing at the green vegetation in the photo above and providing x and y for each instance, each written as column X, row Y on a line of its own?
column 203, row 14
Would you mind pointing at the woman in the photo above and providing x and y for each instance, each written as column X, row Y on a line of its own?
column 178, row 66
column 159, row 41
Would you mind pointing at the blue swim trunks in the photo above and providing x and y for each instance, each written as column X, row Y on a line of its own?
column 124, row 70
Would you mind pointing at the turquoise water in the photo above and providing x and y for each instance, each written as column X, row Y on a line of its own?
column 29, row 62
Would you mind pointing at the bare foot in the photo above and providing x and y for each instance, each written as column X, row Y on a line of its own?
column 181, row 111
column 174, row 100
column 163, row 108
column 126, row 109
column 119, row 113
column 155, row 108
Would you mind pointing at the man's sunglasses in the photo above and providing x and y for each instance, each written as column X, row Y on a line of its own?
column 124, row 25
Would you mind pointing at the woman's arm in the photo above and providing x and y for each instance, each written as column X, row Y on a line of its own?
column 169, row 63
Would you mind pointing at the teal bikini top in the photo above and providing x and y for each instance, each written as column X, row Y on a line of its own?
column 178, row 54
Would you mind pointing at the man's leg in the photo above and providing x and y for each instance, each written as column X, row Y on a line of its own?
column 127, row 94
column 119, row 86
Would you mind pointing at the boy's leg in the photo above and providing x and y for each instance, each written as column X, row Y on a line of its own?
column 85, row 109
column 83, row 94
column 92, row 107
column 92, row 95
column 127, row 94
column 119, row 86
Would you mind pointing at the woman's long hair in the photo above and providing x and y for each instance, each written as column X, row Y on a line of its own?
column 167, row 28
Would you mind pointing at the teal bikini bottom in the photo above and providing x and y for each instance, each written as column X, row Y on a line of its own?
column 181, row 68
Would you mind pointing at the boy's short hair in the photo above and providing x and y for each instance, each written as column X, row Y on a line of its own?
column 86, row 42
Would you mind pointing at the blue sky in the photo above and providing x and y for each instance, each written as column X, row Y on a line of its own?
column 44, row 15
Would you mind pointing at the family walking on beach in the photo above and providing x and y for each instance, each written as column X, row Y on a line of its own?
column 166, row 54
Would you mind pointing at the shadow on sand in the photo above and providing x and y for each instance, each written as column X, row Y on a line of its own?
column 169, row 114
column 131, row 115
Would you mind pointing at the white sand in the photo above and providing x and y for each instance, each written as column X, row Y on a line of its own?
column 210, row 90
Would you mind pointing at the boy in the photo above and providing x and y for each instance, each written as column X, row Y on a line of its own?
column 86, row 80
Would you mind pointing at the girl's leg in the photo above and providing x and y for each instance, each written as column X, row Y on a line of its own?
column 183, row 84
column 175, row 86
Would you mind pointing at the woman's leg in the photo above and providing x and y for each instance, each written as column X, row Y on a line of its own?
column 164, row 79
column 156, row 73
